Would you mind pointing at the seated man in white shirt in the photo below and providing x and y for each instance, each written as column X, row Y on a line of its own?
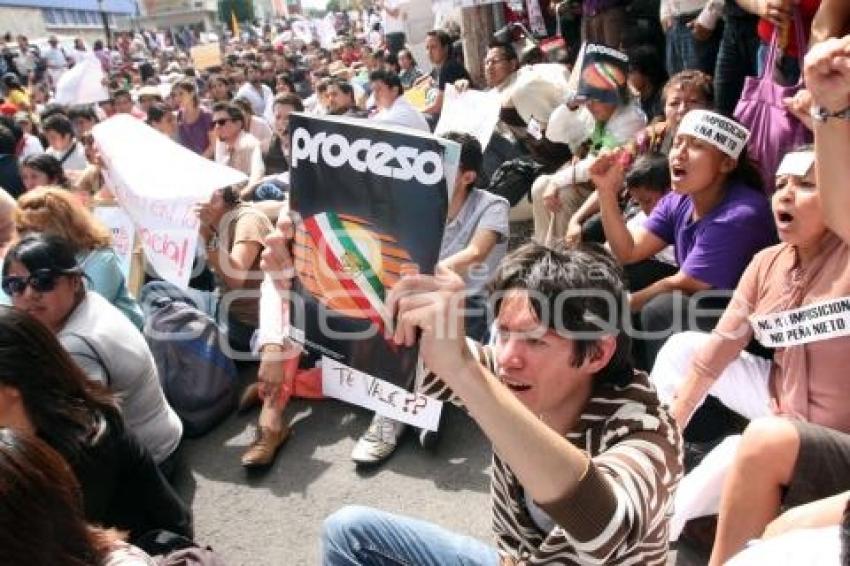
column 234, row 146
column 254, row 91
column 393, row 108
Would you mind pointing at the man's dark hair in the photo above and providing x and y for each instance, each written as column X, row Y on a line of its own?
column 442, row 36
column 651, row 172
column 471, row 156
column 344, row 87
column 552, row 277
column 60, row 124
column 82, row 111
column 233, row 111
column 507, row 49
column 9, row 123
column 120, row 92
column 388, row 78
column 52, row 109
column 291, row 99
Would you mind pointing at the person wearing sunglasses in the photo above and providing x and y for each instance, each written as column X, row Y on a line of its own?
column 42, row 278
column 235, row 147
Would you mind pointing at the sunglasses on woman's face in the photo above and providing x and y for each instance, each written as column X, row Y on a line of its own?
column 41, row 280
column 220, row 122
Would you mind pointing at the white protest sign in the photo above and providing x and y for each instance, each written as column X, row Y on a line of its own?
column 347, row 384
column 158, row 181
column 473, row 112
column 123, row 233
column 818, row 321
column 82, row 84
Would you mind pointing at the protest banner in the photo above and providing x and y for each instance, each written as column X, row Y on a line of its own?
column 604, row 73
column 419, row 96
column 83, row 84
column 123, row 233
column 810, row 323
column 474, row 112
column 347, row 384
column 157, row 182
column 206, row 56
column 372, row 204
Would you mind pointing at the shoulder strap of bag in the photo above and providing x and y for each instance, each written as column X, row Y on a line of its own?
column 773, row 53
column 68, row 153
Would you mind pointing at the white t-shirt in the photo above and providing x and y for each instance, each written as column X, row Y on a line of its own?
column 76, row 160
column 259, row 100
column 32, row 146
column 402, row 113
column 393, row 24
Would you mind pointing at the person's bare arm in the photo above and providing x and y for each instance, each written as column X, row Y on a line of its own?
column 482, row 243
column 827, row 72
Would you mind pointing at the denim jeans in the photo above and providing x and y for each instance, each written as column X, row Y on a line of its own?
column 685, row 52
column 736, row 60
column 360, row 536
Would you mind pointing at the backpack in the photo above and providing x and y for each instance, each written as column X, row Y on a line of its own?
column 198, row 379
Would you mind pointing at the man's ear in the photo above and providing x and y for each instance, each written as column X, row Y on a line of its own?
column 600, row 354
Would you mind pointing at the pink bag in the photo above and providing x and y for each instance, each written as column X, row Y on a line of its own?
column 774, row 130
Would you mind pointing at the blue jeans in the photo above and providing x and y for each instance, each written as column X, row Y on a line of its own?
column 685, row 52
column 361, row 536
column 736, row 60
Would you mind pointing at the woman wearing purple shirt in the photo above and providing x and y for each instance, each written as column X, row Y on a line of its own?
column 194, row 121
column 715, row 216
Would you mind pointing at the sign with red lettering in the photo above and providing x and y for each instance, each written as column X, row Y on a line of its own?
column 157, row 182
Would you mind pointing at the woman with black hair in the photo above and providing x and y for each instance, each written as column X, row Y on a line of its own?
column 42, row 277
column 42, row 391
column 43, row 170
column 42, row 521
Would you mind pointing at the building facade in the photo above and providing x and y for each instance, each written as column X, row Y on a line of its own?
column 38, row 19
column 199, row 15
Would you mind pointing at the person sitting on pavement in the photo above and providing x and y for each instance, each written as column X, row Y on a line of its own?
column 392, row 107
column 586, row 458
column 808, row 271
column 340, row 96
column 475, row 240
column 234, row 146
column 788, row 486
column 234, row 233
column 43, row 392
column 555, row 198
column 42, row 277
column 255, row 125
column 715, row 215
column 686, row 91
column 42, row 520
column 55, row 211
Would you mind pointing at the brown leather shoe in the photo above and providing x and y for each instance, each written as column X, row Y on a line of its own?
column 262, row 451
column 250, row 398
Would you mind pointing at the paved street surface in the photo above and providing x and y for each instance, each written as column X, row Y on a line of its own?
column 275, row 518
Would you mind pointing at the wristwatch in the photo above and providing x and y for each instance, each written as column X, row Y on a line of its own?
column 820, row 114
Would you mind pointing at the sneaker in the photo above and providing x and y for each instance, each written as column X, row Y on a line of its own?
column 379, row 441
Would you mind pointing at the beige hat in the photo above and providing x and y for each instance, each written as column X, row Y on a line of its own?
column 538, row 91
column 149, row 90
